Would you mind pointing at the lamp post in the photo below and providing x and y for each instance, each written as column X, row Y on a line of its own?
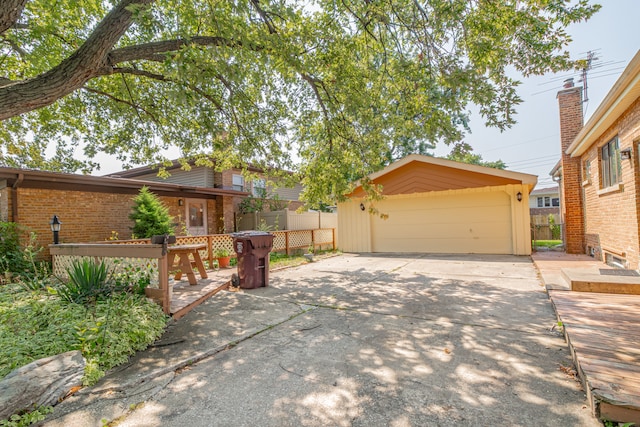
column 55, row 227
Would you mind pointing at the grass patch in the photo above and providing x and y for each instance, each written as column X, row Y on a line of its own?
column 547, row 243
column 280, row 260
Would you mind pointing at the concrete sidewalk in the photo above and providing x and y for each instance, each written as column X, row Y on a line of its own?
column 355, row 340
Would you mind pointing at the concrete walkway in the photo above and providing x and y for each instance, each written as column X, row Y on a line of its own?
column 601, row 330
column 381, row 340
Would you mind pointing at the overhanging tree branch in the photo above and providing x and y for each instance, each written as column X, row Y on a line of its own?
column 72, row 73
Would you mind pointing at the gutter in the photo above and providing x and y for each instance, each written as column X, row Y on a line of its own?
column 14, row 197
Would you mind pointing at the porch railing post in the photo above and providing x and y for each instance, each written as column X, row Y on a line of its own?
column 210, row 249
column 286, row 241
column 333, row 238
column 163, row 279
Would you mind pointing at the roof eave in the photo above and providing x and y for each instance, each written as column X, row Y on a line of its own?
column 623, row 93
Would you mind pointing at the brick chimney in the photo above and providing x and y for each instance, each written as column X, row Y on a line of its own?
column 571, row 122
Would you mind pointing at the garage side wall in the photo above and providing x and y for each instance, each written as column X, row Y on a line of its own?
column 521, row 219
column 354, row 227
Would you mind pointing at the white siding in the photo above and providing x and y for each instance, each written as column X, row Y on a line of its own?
column 198, row 176
column 452, row 223
column 354, row 227
column 481, row 220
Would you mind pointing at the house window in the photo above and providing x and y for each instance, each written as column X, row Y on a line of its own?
column 547, row 202
column 540, row 202
column 586, row 170
column 238, row 182
column 259, row 188
column 610, row 163
column 555, row 202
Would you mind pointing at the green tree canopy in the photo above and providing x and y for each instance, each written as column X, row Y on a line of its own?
column 463, row 152
column 338, row 87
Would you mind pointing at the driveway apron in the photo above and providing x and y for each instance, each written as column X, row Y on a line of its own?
column 382, row 340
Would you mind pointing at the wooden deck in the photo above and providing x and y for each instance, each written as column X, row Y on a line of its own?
column 186, row 297
column 603, row 333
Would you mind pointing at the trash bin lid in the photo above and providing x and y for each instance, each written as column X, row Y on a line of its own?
column 250, row 233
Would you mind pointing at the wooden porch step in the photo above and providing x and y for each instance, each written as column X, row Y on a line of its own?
column 602, row 333
column 186, row 297
column 602, row 280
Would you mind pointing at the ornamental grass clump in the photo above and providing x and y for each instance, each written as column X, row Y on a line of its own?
column 88, row 281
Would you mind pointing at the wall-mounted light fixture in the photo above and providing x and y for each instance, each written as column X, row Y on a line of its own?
column 519, row 196
column 55, row 227
column 625, row 154
column 180, row 202
column 361, row 206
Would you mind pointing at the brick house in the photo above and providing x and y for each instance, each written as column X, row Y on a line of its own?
column 599, row 172
column 91, row 207
column 229, row 179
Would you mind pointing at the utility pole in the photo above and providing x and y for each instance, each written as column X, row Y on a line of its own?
column 585, row 70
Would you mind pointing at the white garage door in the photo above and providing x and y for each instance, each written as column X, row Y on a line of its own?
column 458, row 223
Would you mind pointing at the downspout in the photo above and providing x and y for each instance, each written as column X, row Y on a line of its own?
column 14, row 197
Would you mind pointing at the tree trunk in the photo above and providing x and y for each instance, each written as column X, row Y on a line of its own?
column 10, row 11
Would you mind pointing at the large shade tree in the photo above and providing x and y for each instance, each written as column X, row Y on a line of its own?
column 339, row 87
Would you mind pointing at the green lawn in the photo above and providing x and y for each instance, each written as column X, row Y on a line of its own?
column 546, row 243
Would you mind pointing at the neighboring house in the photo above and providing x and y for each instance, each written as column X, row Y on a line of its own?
column 207, row 177
column 91, row 208
column 599, row 171
column 433, row 205
column 544, row 201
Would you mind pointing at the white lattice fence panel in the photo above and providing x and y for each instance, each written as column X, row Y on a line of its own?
column 279, row 241
column 62, row 263
column 222, row 241
column 195, row 240
column 132, row 268
column 129, row 242
column 323, row 236
column 299, row 238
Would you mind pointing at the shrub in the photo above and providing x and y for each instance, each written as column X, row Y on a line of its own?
column 12, row 255
column 150, row 217
column 555, row 228
column 34, row 325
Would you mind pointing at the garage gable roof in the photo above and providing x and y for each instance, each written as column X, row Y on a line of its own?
column 419, row 174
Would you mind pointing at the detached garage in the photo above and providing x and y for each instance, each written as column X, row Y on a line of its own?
column 433, row 205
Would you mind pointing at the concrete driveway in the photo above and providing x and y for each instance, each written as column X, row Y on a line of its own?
column 376, row 340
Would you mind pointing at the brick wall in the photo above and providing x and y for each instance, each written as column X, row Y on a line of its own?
column 85, row 216
column 225, row 214
column 612, row 217
column 90, row 216
column 571, row 122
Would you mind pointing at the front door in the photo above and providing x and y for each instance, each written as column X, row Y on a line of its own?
column 196, row 217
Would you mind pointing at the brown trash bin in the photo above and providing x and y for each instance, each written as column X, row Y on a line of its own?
column 253, row 249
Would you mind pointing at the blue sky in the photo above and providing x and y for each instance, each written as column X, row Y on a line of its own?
column 533, row 144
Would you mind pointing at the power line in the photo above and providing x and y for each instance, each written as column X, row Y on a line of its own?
column 521, row 143
column 555, row 156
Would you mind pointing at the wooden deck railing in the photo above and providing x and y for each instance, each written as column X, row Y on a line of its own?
column 123, row 256
column 120, row 259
